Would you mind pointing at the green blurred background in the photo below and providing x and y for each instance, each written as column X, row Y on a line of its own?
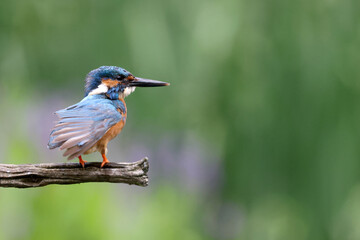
column 256, row 138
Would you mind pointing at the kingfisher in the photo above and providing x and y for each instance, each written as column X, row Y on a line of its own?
column 90, row 124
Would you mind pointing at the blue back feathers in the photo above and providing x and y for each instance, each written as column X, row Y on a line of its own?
column 93, row 79
column 81, row 125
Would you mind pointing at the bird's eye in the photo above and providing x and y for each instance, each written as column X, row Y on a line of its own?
column 120, row 77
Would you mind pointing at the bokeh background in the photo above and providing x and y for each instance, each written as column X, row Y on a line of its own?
column 256, row 138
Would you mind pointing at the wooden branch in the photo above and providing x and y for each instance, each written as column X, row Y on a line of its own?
column 39, row 175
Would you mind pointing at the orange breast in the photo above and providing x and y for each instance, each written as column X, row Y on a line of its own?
column 101, row 145
column 113, row 131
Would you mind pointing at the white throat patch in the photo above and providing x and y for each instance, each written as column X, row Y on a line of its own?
column 127, row 92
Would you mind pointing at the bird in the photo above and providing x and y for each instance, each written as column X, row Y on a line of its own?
column 90, row 124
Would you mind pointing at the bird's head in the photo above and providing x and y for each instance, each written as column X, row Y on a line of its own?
column 115, row 82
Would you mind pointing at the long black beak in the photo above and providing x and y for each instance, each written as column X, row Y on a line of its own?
column 142, row 82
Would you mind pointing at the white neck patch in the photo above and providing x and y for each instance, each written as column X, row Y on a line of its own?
column 102, row 88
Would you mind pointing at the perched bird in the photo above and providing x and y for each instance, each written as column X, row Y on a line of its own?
column 89, row 125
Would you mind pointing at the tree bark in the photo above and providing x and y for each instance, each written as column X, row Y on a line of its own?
column 39, row 175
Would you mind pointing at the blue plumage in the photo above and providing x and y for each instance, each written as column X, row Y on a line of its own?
column 93, row 79
column 119, row 106
column 89, row 125
column 113, row 93
column 86, row 122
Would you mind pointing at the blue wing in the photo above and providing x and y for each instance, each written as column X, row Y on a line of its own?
column 81, row 125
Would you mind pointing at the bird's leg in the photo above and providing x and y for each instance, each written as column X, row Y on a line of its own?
column 105, row 160
column 81, row 161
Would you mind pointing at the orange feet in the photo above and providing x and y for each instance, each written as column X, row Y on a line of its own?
column 81, row 161
column 104, row 160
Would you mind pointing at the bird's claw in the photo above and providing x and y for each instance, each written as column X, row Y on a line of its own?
column 105, row 161
column 82, row 162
